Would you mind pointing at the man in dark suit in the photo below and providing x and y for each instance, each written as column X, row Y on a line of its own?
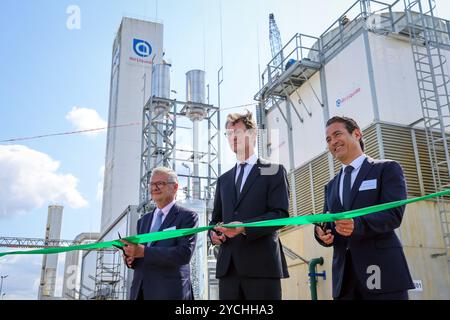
column 250, row 261
column 161, row 268
column 368, row 259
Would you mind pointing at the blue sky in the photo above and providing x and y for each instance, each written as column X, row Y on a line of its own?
column 46, row 70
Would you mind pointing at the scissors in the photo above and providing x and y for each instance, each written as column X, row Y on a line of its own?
column 218, row 232
column 322, row 226
column 119, row 247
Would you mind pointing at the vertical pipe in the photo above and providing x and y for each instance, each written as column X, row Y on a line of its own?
column 326, row 107
column 196, row 173
column 195, row 94
column 50, row 262
column 174, row 140
column 313, row 277
column 373, row 92
column 160, row 89
column 219, row 82
column 370, row 70
column 150, row 149
column 291, row 156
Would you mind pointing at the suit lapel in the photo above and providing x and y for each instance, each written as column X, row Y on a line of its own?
column 170, row 217
column 228, row 184
column 336, row 199
column 365, row 169
column 254, row 173
column 145, row 228
column 146, row 223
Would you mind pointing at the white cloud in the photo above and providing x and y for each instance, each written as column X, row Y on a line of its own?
column 101, row 174
column 24, row 272
column 85, row 119
column 23, row 278
column 29, row 180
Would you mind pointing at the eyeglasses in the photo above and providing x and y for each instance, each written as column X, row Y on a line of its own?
column 159, row 184
column 238, row 133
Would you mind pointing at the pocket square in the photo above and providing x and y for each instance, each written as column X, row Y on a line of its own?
column 171, row 228
column 368, row 185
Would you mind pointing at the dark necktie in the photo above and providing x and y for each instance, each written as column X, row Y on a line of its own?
column 239, row 180
column 347, row 188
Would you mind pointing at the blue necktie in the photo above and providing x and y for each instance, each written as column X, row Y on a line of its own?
column 347, row 188
column 159, row 216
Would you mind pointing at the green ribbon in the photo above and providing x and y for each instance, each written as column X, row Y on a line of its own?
column 302, row 220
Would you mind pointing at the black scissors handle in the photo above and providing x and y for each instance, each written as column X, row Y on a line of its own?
column 322, row 226
column 119, row 247
column 217, row 232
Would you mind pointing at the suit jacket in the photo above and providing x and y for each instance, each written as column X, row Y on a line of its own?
column 164, row 272
column 373, row 241
column 264, row 196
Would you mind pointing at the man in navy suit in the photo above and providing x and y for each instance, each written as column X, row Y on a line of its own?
column 250, row 261
column 368, row 259
column 161, row 268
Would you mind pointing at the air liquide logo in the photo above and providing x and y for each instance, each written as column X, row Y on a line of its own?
column 142, row 48
column 341, row 101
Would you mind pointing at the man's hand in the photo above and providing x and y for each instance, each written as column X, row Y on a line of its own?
column 327, row 237
column 132, row 251
column 216, row 239
column 231, row 232
column 345, row 227
column 128, row 261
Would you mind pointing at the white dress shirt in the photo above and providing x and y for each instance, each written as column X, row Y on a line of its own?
column 165, row 211
column 356, row 164
column 250, row 163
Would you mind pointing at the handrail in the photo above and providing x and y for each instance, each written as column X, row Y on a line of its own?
column 390, row 16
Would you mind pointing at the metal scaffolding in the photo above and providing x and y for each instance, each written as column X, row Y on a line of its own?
column 159, row 144
column 284, row 76
column 17, row 242
column 107, row 276
column 159, row 148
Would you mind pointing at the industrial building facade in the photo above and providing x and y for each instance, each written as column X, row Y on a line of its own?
column 142, row 135
column 371, row 65
column 384, row 65
column 138, row 45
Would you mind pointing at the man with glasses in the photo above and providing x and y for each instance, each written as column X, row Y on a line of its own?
column 161, row 268
column 251, row 261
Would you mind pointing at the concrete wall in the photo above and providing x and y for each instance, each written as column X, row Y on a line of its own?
column 420, row 234
column 301, row 241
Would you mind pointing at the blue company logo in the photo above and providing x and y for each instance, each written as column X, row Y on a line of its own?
column 338, row 103
column 142, row 48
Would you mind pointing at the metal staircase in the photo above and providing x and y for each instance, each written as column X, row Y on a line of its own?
column 429, row 40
